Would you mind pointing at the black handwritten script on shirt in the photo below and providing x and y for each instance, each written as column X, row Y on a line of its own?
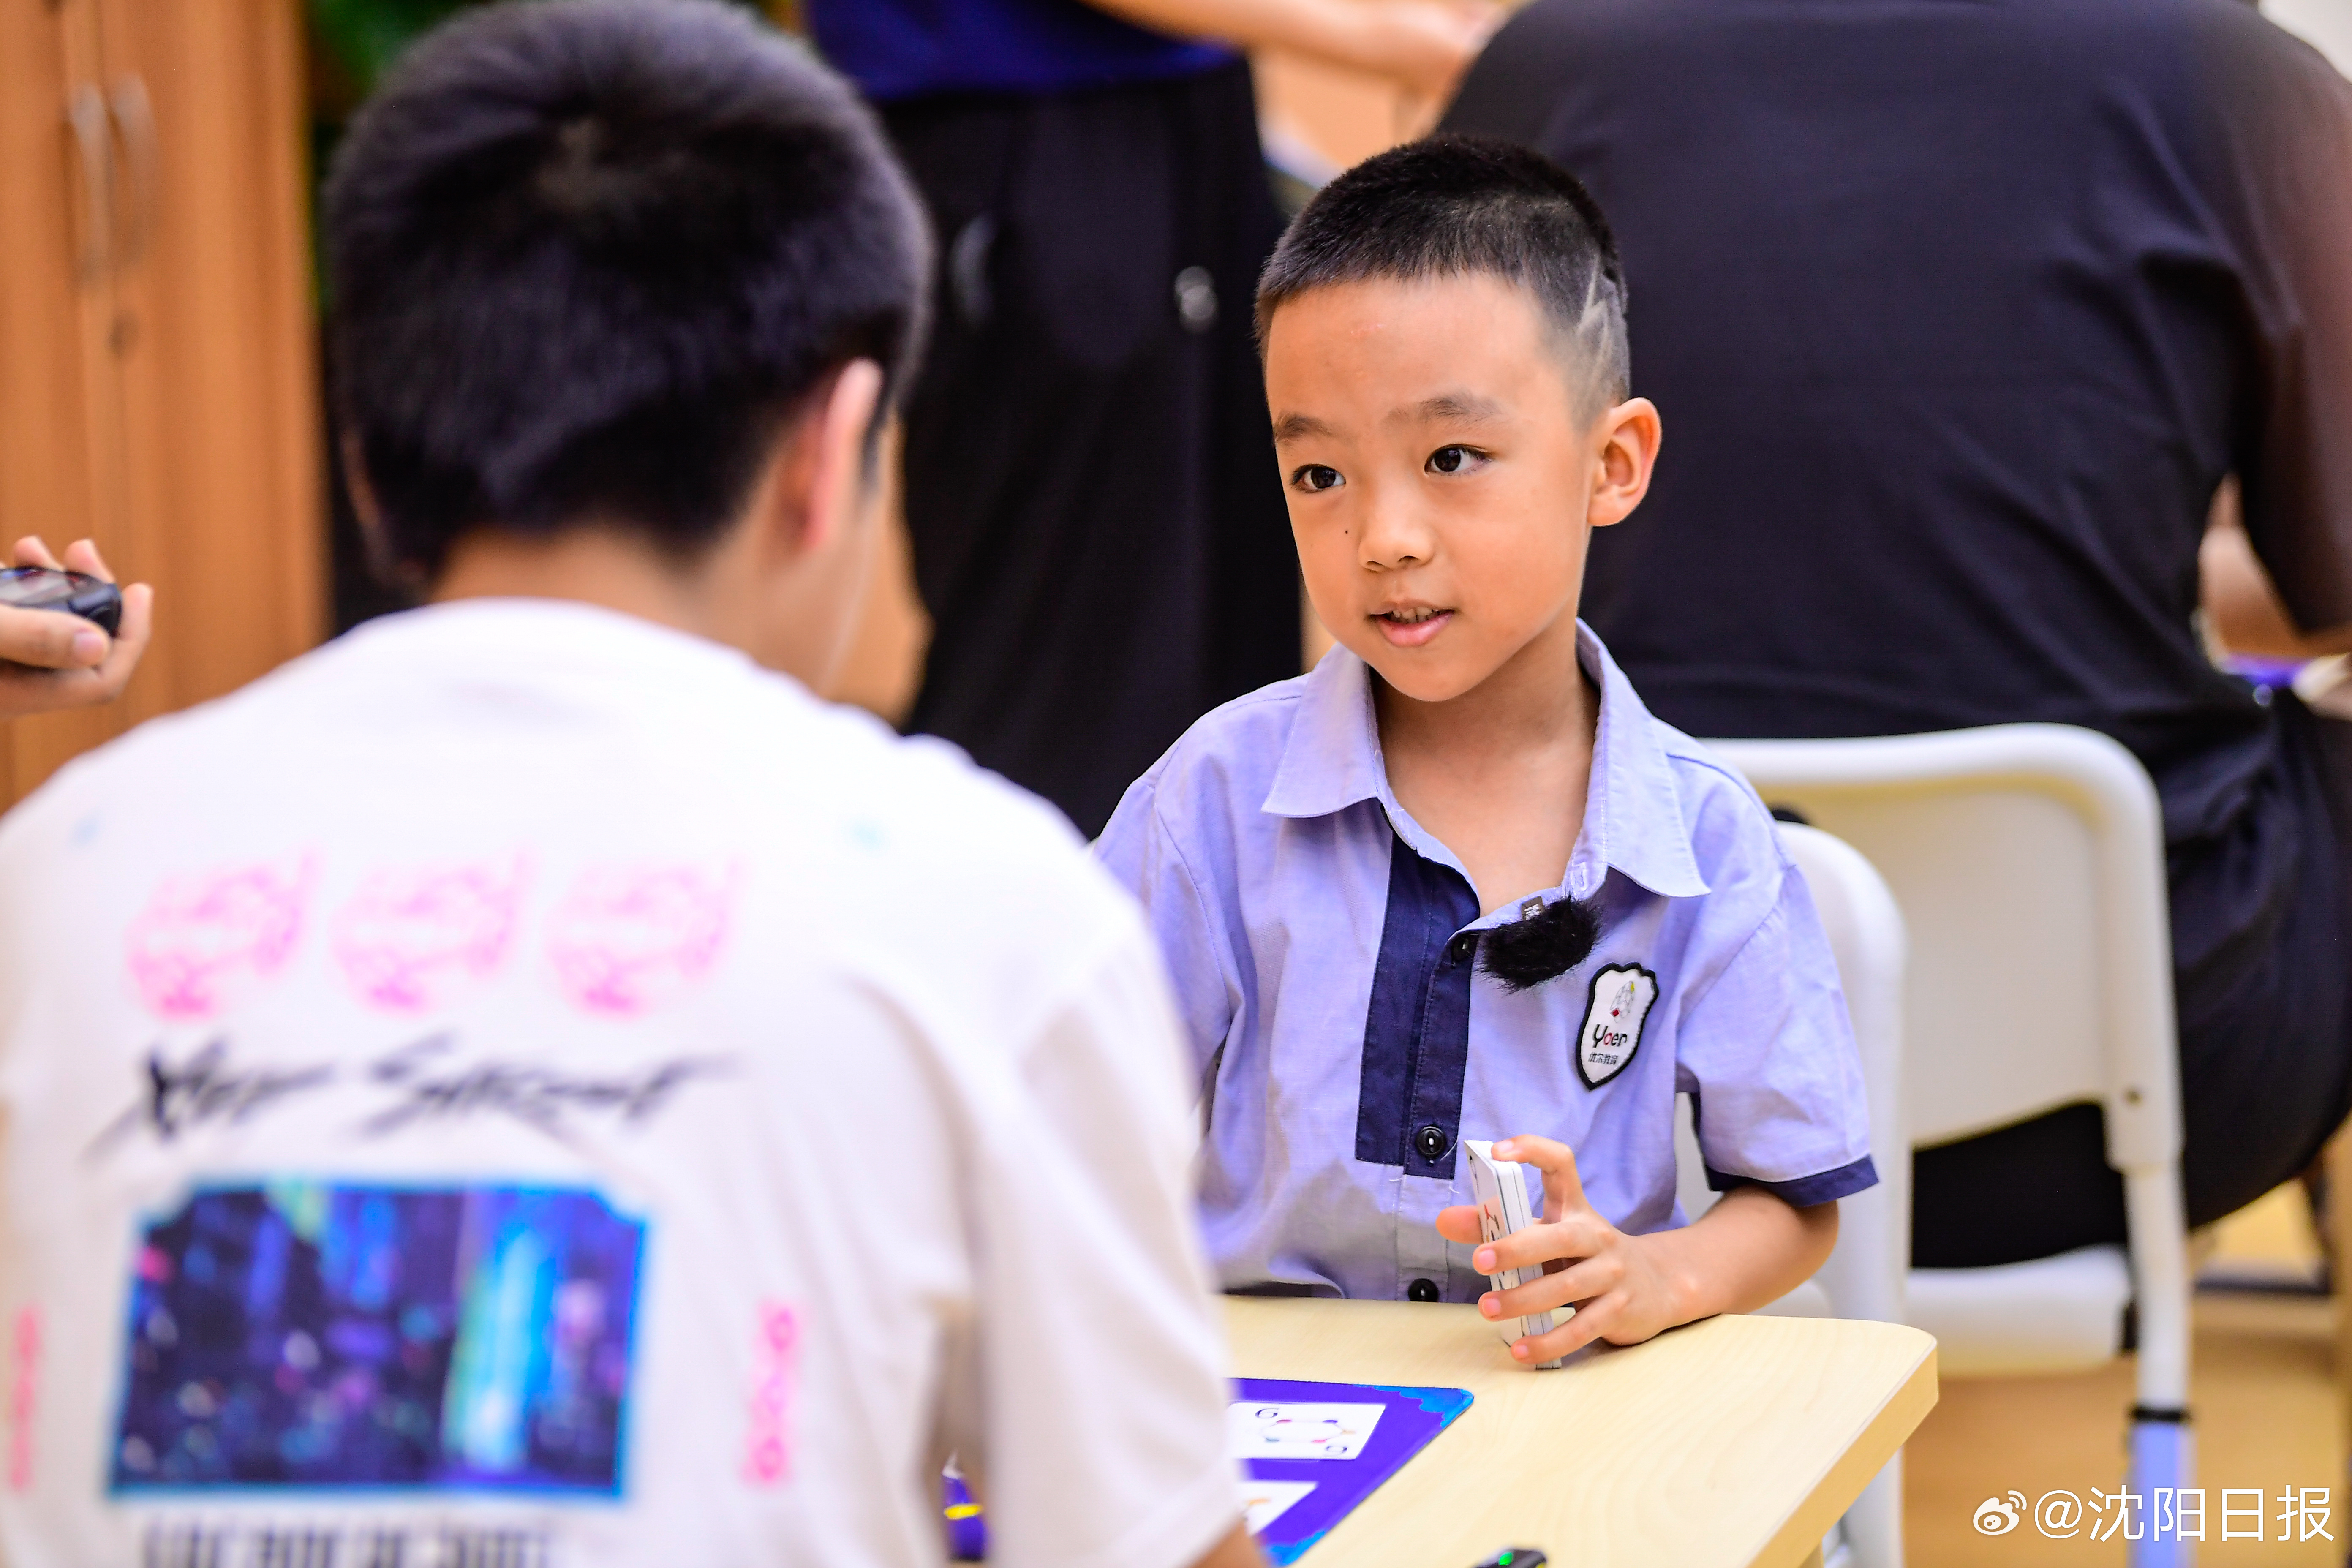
column 206, row 1087
column 427, row 1084
column 430, row 1079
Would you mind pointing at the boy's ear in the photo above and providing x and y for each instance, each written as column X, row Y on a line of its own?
column 817, row 483
column 1626, row 451
column 370, row 513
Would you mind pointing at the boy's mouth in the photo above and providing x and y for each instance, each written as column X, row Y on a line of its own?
column 1410, row 626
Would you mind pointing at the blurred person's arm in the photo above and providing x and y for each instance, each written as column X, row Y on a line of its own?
column 2281, row 585
column 2242, row 607
column 50, row 659
column 1423, row 44
column 1093, row 1292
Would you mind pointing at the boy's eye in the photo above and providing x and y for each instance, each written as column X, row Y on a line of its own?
column 1316, row 477
column 1453, row 460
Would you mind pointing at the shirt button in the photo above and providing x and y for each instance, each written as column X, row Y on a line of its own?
column 1431, row 1142
column 1460, row 949
column 1422, row 1290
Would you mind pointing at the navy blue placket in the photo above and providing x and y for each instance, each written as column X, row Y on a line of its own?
column 1417, row 1032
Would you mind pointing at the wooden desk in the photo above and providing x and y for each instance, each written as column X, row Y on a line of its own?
column 1732, row 1443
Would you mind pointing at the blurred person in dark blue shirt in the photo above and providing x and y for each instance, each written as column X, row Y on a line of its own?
column 1098, row 526
column 1960, row 313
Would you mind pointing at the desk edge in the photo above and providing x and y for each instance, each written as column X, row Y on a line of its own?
column 1882, row 1437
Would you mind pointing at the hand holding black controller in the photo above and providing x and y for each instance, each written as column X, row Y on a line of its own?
column 39, row 588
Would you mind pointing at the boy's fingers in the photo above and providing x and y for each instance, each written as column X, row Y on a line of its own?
column 1563, row 1191
column 48, row 640
column 1459, row 1224
column 1579, row 1236
column 1590, row 1322
column 1586, row 1281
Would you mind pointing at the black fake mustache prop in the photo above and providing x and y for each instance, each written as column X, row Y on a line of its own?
column 1544, row 946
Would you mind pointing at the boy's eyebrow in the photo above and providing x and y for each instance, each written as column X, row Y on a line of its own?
column 1290, row 426
column 1464, row 407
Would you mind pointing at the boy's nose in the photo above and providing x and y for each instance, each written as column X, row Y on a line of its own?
column 1394, row 538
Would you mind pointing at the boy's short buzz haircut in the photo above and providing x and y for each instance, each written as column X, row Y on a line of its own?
column 1454, row 204
column 586, row 258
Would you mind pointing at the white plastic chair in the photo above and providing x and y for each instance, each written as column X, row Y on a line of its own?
column 1864, row 1275
column 2028, row 863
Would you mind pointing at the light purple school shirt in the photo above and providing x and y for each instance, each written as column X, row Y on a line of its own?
column 1323, row 950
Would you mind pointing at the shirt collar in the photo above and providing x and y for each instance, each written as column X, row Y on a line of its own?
column 1634, row 821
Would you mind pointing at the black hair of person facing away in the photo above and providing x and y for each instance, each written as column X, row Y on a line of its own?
column 1454, row 204
column 586, row 261
column 1457, row 205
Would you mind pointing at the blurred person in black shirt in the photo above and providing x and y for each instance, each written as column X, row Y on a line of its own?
column 1097, row 524
column 1961, row 314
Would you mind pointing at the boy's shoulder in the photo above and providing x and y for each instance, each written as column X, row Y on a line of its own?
column 1705, row 832
column 1229, row 757
column 1734, row 839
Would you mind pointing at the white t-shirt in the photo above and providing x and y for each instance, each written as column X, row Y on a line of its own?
column 521, row 1088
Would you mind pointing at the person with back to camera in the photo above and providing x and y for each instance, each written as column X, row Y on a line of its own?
column 524, row 1083
column 1094, row 529
column 1456, row 882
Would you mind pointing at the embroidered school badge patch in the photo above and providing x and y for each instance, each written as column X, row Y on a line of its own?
column 1619, row 1006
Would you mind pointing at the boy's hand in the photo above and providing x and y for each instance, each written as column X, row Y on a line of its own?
column 50, row 659
column 1619, row 1285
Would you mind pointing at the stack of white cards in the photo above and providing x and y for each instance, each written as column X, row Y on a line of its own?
column 1502, row 1194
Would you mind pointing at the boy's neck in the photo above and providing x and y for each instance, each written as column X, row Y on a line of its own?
column 1499, row 775
column 607, row 567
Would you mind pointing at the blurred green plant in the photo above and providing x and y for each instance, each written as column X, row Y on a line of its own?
column 364, row 35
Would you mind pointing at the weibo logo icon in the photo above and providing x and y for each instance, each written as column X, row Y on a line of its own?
column 204, row 941
column 626, row 937
column 1999, row 1516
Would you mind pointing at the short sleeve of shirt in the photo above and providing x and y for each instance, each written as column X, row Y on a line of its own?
column 1084, row 1218
column 1137, row 849
column 1767, row 1054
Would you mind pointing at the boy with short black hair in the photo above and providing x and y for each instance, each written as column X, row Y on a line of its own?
column 524, row 1084
column 1456, row 882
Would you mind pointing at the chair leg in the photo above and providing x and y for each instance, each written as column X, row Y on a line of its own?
column 2338, row 1221
column 1874, row 1525
column 2163, row 1456
column 2163, row 1453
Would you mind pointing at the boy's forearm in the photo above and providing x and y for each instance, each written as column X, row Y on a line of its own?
column 1749, row 1251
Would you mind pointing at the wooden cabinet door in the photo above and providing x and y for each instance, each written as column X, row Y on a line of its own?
column 214, row 333
column 60, row 423
column 170, row 409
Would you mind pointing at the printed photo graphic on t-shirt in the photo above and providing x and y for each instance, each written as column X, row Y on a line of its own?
column 308, row 1335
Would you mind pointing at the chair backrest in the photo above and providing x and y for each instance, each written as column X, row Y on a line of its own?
column 2028, row 861
column 1865, row 1276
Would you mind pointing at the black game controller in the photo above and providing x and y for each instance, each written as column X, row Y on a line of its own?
column 39, row 588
